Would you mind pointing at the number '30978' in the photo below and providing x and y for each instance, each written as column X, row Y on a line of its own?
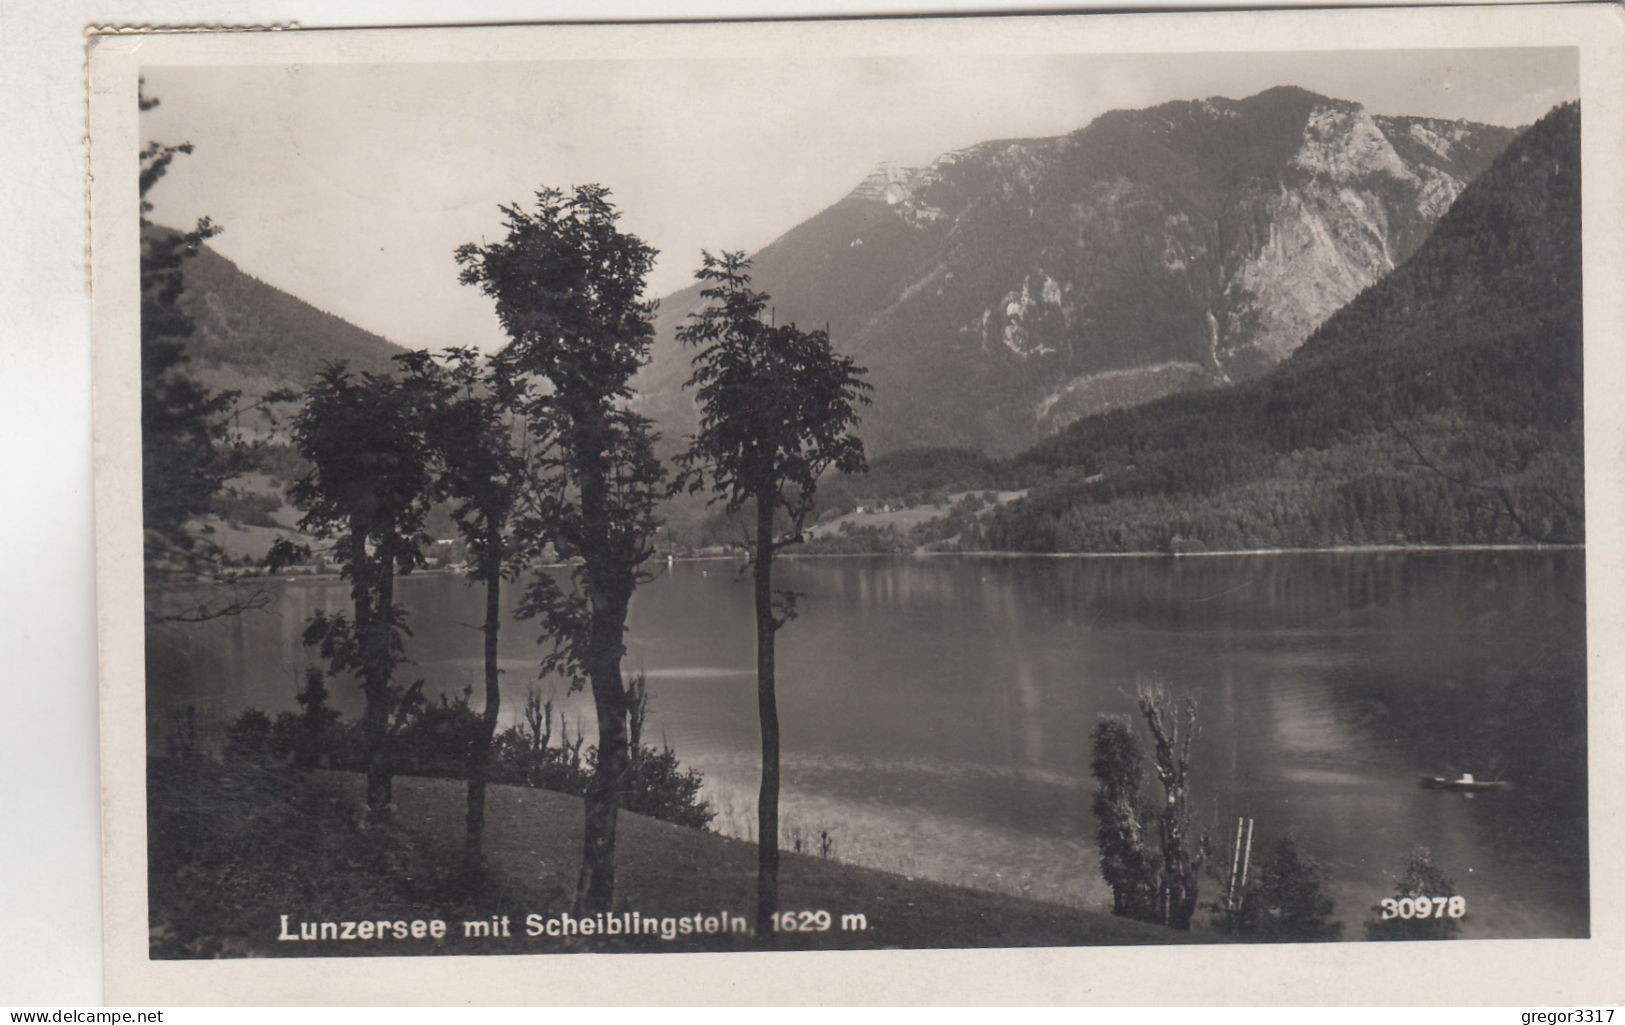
column 1424, row 907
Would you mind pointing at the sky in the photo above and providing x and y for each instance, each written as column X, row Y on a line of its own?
column 350, row 186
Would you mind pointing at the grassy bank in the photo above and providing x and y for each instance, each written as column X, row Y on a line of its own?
column 233, row 850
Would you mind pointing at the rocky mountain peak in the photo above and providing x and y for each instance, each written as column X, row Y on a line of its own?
column 1008, row 288
column 888, row 183
column 1292, row 95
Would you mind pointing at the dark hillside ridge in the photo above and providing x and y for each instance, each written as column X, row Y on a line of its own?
column 254, row 337
column 1470, row 351
column 1009, row 288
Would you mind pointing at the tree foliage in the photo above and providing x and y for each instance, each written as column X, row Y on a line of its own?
column 1172, row 725
column 1121, row 813
column 1287, row 903
column 368, row 491
column 190, row 448
column 568, row 287
column 1422, row 877
column 777, row 409
column 777, row 404
column 1154, row 885
column 436, row 738
column 464, row 407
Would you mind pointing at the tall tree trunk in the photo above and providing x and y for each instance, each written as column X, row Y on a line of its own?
column 479, row 765
column 375, row 640
column 595, row 889
column 767, row 804
column 380, row 787
column 1179, row 877
column 609, row 586
column 1173, row 728
column 375, row 716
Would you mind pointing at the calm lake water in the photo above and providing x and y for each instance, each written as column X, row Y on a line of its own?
column 936, row 711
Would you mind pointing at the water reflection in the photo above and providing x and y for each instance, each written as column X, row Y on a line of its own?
column 936, row 712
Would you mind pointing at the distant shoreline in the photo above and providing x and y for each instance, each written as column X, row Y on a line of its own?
column 1326, row 550
column 298, row 577
column 1214, row 553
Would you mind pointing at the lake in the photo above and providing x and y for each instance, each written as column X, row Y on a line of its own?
column 936, row 711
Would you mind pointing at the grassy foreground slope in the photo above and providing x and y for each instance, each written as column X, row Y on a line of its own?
column 235, row 849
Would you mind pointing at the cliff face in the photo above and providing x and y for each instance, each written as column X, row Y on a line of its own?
column 1005, row 290
column 1464, row 364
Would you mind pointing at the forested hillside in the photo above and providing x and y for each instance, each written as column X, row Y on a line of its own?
column 253, row 337
column 1443, row 405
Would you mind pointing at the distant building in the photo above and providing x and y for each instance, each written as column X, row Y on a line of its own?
column 1179, row 544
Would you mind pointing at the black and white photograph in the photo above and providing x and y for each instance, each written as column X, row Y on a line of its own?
column 846, row 497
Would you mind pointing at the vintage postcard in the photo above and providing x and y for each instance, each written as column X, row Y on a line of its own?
column 1010, row 509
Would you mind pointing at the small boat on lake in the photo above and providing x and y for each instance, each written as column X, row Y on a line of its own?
column 1464, row 782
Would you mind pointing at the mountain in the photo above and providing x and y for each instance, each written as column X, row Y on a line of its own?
column 1442, row 405
column 1005, row 290
column 253, row 337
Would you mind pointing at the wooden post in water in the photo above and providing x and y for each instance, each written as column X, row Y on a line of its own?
column 1246, row 858
column 1235, row 866
column 1240, row 861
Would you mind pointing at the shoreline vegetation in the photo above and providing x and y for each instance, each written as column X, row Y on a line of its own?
column 226, row 831
column 1389, row 549
column 1225, row 552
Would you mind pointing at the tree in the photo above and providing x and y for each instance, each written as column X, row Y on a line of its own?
column 1121, row 814
column 309, row 734
column 1173, row 729
column 368, row 490
column 1413, row 913
column 777, row 407
column 1288, row 903
column 188, row 450
column 568, row 287
column 464, row 406
column 1538, row 513
column 1160, row 887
